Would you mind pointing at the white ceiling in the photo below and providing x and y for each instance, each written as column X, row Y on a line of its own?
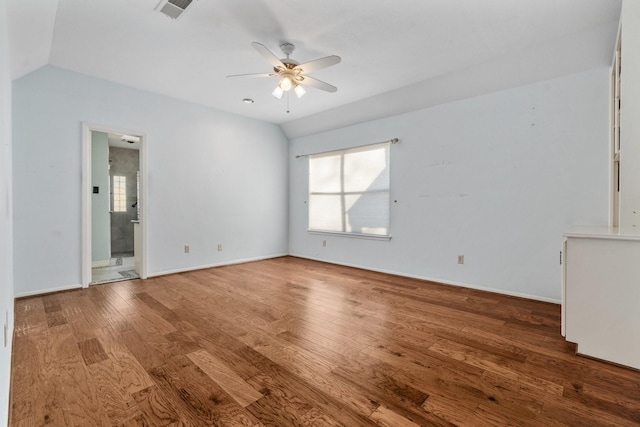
column 397, row 55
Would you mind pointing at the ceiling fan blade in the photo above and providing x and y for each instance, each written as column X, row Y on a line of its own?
column 317, row 64
column 252, row 75
column 269, row 56
column 318, row 84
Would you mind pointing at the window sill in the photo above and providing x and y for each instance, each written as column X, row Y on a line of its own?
column 351, row 235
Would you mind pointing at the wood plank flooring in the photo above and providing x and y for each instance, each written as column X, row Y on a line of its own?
column 292, row 342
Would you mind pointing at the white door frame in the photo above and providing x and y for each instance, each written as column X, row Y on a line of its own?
column 87, row 128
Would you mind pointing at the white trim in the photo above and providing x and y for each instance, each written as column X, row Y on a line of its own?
column 261, row 258
column 219, row 264
column 48, row 291
column 352, row 235
column 87, row 128
column 563, row 308
column 162, row 273
column 86, row 205
column 601, row 232
column 103, row 263
column 432, row 279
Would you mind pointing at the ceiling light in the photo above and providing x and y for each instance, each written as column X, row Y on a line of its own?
column 285, row 83
column 130, row 139
column 248, row 101
column 299, row 91
column 277, row 92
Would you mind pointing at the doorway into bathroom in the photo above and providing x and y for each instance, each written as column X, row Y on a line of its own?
column 112, row 249
column 123, row 188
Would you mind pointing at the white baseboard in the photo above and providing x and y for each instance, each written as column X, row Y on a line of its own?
column 245, row 260
column 220, row 264
column 162, row 273
column 47, row 291
column 432, row 279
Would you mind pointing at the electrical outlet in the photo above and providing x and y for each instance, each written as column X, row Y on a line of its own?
column 186, row 249
column 324, row 243
column 219, row 247
column 460, row 259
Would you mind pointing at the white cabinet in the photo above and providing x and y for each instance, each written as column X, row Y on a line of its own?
column 601, row 295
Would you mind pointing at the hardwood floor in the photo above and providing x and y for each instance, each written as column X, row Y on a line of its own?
column 287, row 342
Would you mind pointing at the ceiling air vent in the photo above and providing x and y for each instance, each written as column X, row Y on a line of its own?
column 173, row 8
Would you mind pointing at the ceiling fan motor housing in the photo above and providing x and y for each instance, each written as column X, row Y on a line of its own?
column 287, row 48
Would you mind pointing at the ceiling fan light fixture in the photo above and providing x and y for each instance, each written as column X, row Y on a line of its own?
column 291, row 73
column 299, row 91
column 277, row 92
column 286, row 84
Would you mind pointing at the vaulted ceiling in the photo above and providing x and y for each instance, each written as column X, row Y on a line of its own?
column 397, row 55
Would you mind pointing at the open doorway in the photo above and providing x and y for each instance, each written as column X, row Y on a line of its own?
column 113, row 199
column 115, row 213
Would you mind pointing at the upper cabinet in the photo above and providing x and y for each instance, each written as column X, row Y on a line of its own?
column 628, row 143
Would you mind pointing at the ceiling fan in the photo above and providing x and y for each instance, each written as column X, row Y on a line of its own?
column 292, row 74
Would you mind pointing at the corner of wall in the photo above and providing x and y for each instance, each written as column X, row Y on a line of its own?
column 6, row 222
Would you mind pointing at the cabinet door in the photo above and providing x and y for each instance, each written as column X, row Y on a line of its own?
column 602, row 295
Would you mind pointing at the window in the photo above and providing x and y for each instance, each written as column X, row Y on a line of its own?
column 349, row 191
column 119, row 193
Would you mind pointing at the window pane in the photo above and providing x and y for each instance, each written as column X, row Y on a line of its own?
column 119, row 193
column 367, row 213
column 367, row 170
column 325, row 212
column 324, row 174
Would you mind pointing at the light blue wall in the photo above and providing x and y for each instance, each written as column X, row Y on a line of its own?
column 100, row 221
column 213, row 178
column 6, row 276
column 497, row 178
